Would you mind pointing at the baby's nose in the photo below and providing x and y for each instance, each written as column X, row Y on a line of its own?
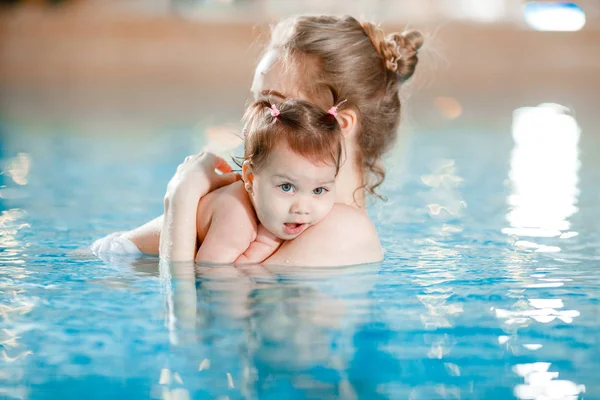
column 299, row 207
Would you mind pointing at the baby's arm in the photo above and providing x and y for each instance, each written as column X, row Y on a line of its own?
column 261, row 248
column 232, row 229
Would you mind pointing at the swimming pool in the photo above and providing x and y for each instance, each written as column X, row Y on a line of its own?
column 490, row 287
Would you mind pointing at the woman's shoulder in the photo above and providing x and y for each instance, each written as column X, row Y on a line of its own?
column 344, row 218
column 350, row 226
column 349, row 214
column 345, row 237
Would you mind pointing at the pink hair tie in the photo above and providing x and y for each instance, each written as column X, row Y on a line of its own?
column 334, row 110
column 274, row 111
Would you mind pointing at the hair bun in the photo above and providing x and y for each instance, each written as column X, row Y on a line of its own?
column 398, row 50
column 404, row 47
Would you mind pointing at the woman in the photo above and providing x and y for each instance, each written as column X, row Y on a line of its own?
column 324, row 60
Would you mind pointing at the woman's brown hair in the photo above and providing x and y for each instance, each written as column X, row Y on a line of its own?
column 355, row 61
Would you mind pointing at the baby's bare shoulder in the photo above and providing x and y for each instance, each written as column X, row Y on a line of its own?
column 233, row 211
column 227, row 208
column 231, row 199
column 224, row 197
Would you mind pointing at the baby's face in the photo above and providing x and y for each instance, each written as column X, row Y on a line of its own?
column 290, row 193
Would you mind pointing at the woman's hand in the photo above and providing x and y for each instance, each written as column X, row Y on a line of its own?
column 197, row 175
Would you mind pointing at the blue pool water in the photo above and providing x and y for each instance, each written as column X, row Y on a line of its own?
column 490, row 288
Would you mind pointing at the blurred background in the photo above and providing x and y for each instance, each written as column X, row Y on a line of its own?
column 150, row 63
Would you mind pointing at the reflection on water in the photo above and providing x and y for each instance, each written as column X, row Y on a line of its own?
column 18, row 168
column 437, row 268
column 445, row 206
column 541, row 384
column 543, row 176
column 277, row 320
column 15, row 303
column 443, row 183
column 540, row 310
column 544, row 193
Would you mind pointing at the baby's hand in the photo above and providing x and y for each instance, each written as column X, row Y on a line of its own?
column 197, row 176
column 267, row 238
column 262, row 248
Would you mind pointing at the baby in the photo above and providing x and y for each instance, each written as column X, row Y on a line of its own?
column 292, row 155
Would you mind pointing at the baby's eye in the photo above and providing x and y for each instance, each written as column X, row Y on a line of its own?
column 286, row 187
column 319, row 191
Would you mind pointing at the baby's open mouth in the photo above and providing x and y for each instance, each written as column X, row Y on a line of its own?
column 293, row 228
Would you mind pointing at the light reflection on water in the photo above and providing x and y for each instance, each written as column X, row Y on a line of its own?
column 14, row 300
column 460, row 308
column 544, row 166
column 544, row 180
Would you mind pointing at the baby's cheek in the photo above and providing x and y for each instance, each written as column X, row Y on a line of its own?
column 275, row 211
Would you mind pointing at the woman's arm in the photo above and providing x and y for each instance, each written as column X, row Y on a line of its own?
column 194, row 178
column 345, row 237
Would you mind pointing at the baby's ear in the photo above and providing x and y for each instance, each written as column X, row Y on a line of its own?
column 247, row 173
column 348, row 121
